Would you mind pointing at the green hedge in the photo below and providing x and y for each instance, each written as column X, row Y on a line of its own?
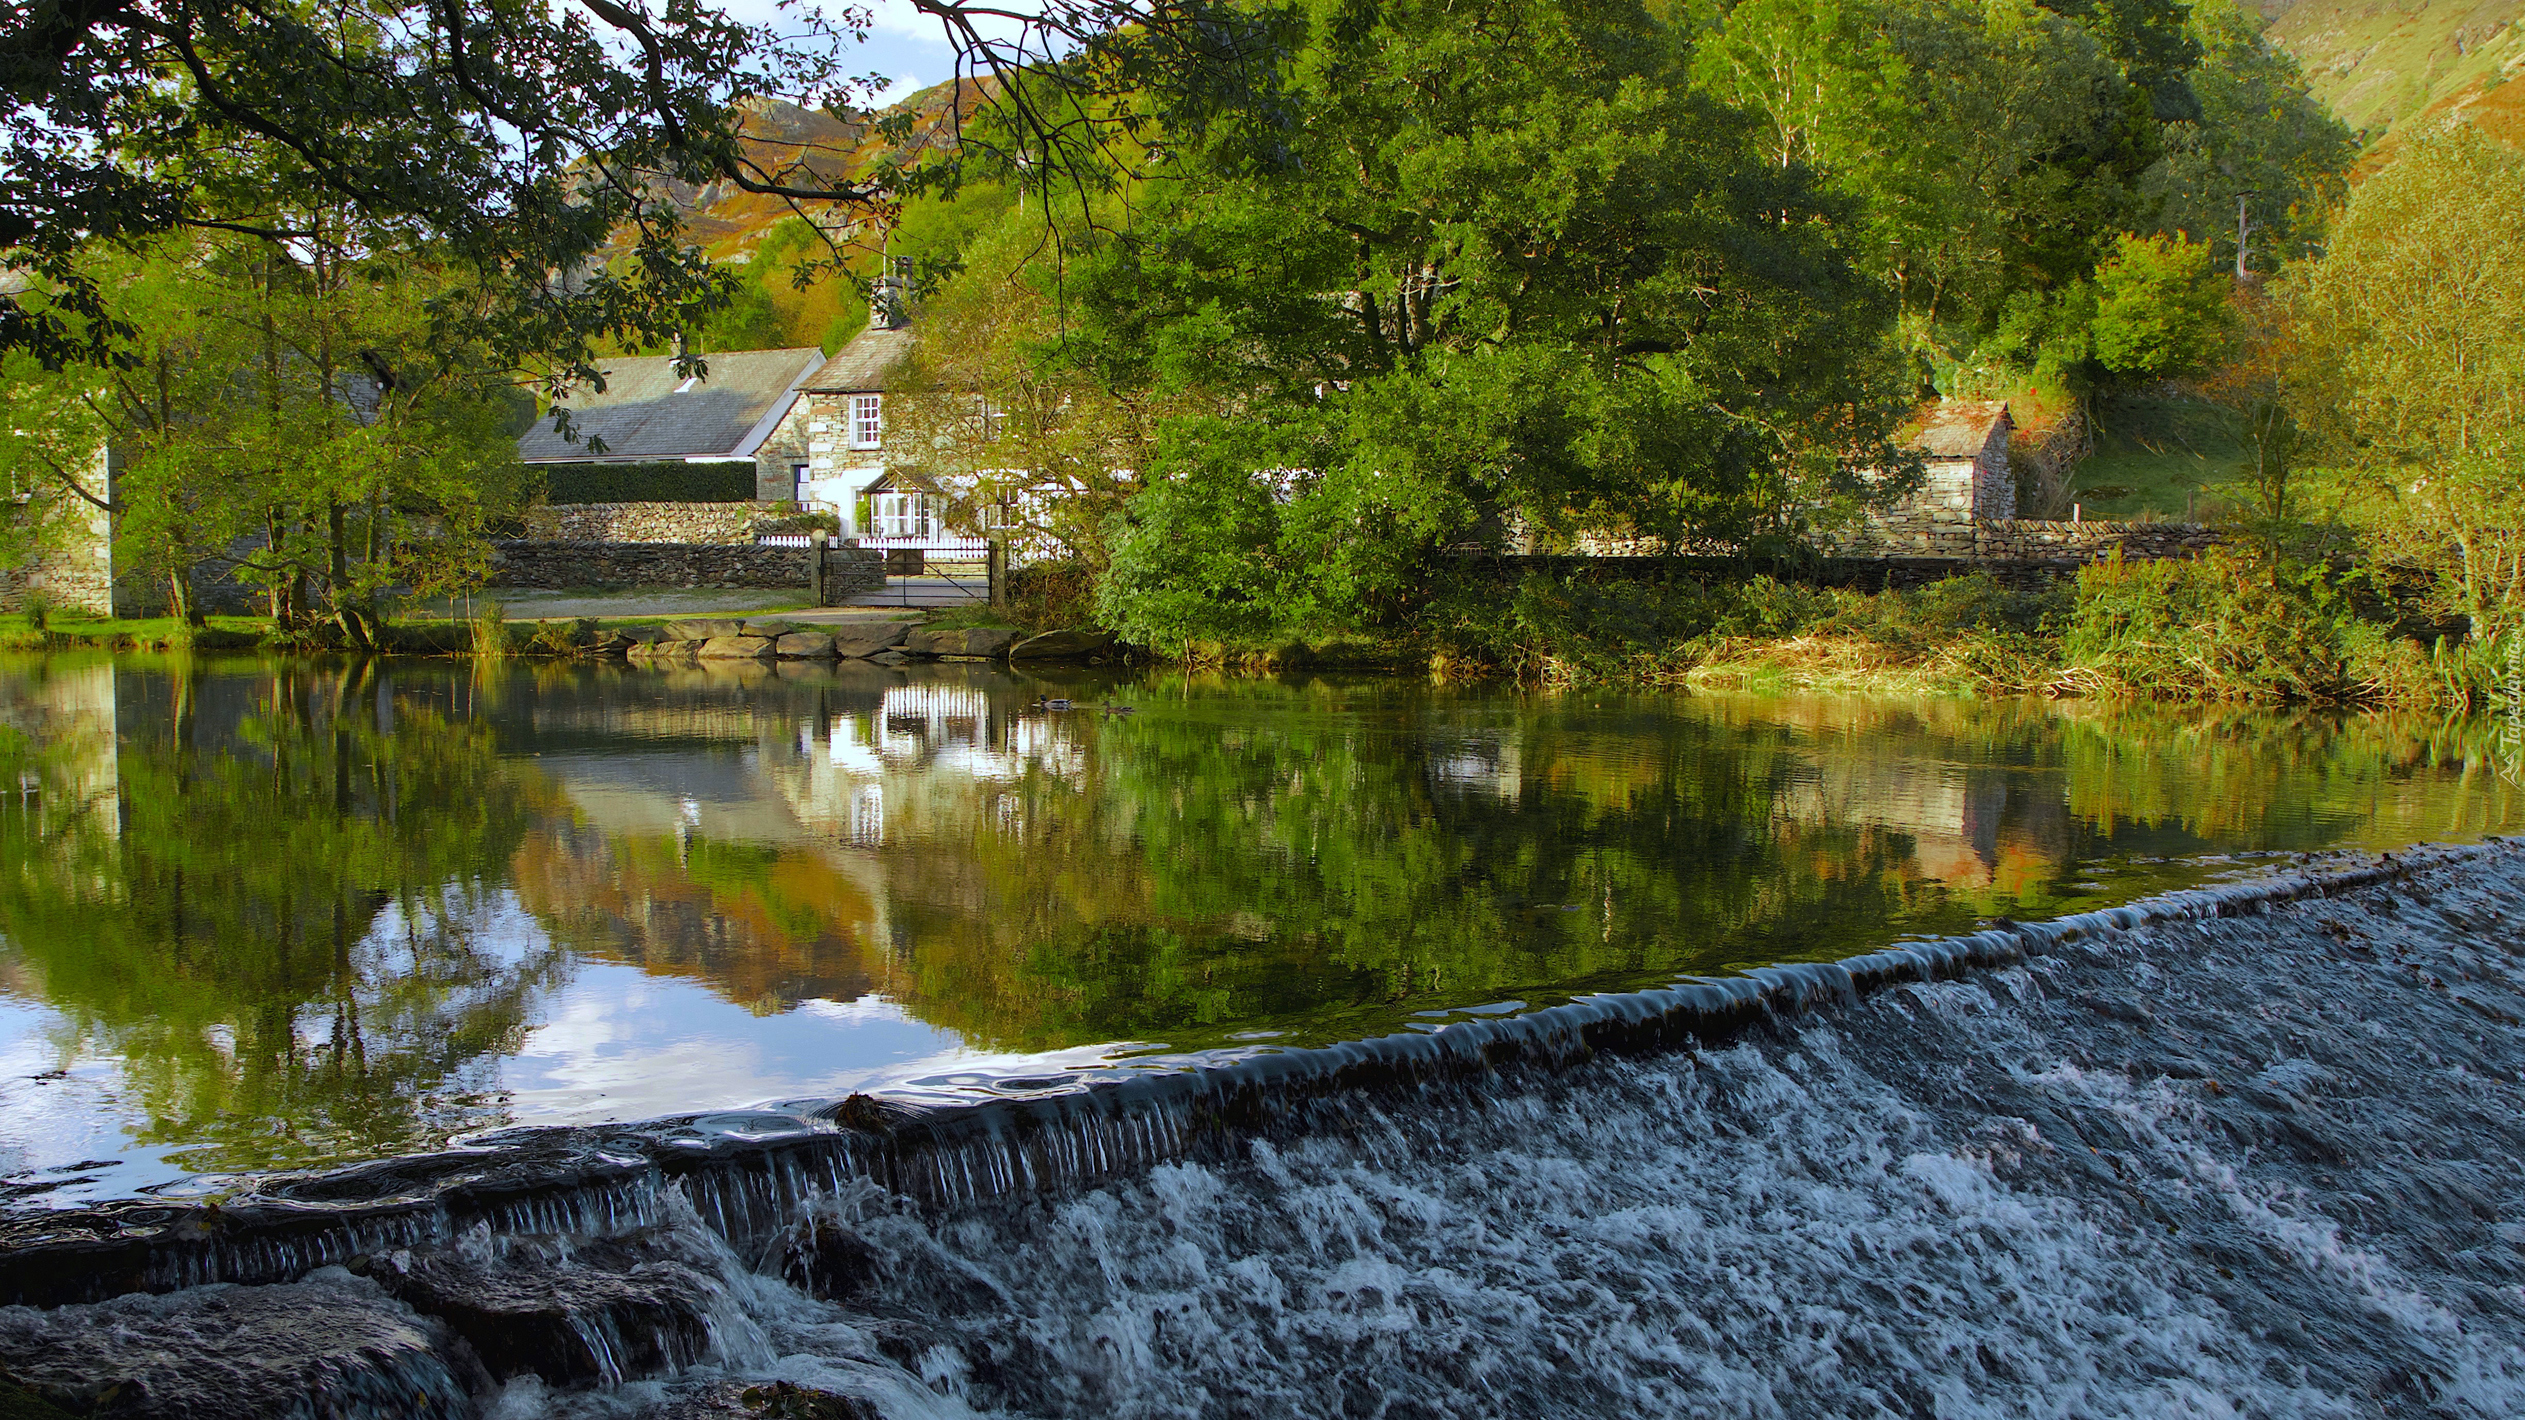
column 731, row 482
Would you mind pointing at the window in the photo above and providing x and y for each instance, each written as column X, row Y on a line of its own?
column 864, row 409
column 800, row 476
column 900, row 515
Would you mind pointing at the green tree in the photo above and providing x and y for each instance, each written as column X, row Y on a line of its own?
column 2261, row 139
column 291, row 412
column 2161, row 308
column 2413, row 328
column 1512, row 267
column 529, row 141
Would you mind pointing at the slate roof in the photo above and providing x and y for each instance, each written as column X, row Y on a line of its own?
column 864, row 364
column 1955, row 428
column 641, row 416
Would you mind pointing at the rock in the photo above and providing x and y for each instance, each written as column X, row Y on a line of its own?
column 977, row 641
column 565, row 1322
column 333, row 1344
column 669, row 652
column 643, row 635
column 1071, row 644
column 737, row 648
column 805, row 646
column 773, row 629
column 703, row 628
column 869, row 638
column 889, row 658
column 827, row 1261
column 771, row 1400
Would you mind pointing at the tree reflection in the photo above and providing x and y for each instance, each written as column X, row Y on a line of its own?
column 288, row 916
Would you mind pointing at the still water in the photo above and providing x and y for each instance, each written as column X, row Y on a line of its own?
column 261, row 914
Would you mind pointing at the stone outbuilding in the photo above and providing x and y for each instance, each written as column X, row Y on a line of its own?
column 1964, row 444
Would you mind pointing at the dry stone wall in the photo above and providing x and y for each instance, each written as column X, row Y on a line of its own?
column 562, row 566
column 1962, row 539
column 727, row 524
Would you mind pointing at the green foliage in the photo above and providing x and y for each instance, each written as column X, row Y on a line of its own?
column 1194, row 554
column 2161, row 308
column 2212, row 628
column 292, row 413
column 490, row 636
column 2408, row 368
column 1486, row 282
column 788, row 293
column 792, row 521
column 670, row 481
column 1995, row 148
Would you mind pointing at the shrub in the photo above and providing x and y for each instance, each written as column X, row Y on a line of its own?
column 2215, row 628
column 490, row 629
column 663, row 482
column 792, row 521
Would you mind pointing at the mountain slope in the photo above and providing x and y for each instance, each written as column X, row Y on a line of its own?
column 2392, row 66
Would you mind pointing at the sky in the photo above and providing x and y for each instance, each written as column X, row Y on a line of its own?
column 904, row 45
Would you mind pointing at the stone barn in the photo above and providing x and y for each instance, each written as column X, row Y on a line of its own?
column 1964, row 444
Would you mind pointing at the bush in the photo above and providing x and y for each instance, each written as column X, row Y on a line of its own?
column 2216, row 628
column 1921, row 621
column 796, row 522
column 664, row 482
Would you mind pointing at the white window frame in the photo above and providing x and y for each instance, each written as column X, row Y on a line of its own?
column 902, row 513
column 867, row 421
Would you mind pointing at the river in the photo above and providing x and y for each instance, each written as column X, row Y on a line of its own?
column 338, row 942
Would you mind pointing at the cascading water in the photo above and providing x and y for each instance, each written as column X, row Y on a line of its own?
column 2252, row 1151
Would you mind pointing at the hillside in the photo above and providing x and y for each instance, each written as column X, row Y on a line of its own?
column 2381, row 64
column 730, row 222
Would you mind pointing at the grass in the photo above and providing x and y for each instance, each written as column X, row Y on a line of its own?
column 2158, row 458
column 69, row 628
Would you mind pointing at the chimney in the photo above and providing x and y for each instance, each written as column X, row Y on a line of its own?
column 890, row 303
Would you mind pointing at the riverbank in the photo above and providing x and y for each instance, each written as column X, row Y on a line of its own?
column 2220, row 628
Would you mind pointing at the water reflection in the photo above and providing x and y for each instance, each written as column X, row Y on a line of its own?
column 263, row 914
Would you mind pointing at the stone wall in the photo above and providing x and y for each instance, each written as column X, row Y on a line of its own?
column 721, row 524
column 560, row 566
column 2026, row 539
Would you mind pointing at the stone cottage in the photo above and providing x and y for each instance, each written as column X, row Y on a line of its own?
column 841, row 418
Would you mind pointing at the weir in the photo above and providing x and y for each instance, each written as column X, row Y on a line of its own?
column 747, row 1175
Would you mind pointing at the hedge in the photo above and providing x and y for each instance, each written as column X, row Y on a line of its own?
column 678, row 482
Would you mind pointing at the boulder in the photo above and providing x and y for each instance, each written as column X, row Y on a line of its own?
column 1070, row 644
column 804, row 646
column 564, row 1322
column 737, row 648
column 643, row 635
column 664, row 651
column 969, row 642
column 331, row 1345
column 869, row 637
column 773, row 629
column 889, row 658
column 703, row 628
